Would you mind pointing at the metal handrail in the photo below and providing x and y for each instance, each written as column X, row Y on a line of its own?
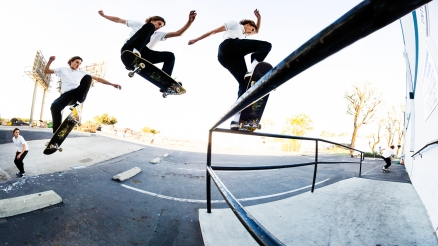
column 425, row 146
column 362, row 20
column 257, row 231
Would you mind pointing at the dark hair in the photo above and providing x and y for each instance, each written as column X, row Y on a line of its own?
column 155, row 18
column 250, row 22
column 15, row 130
column 74, row 58
column 392, row 146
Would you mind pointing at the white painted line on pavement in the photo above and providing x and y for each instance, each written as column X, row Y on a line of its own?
column 218, row 201
column 372, row 169
column 192, row 169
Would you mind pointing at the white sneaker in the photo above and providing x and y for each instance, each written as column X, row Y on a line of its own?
column 136, row 52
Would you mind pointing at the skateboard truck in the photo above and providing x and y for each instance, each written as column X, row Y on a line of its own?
column 137, row 69
column 250, row 125
column 54, row 146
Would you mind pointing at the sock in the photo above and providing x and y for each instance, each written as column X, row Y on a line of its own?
column 253, row 65
column 236, row 117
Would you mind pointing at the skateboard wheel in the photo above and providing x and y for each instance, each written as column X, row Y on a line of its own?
column 60, row 149
column 141, row 65
column 79, row 124
column 52, row 146
column 47, row 144
column 259, row 127
column 178, row 90
column 164, row 94
column 131, row 74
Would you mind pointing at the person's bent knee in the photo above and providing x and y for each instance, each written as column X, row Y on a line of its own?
column 87, row 78
column 169, row 56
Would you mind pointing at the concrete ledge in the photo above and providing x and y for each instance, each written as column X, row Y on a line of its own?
column 27, row 203
column 127, row 174
column 155, row 161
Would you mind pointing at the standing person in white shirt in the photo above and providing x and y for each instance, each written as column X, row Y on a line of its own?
column 144, row 37
column 386, row 155
column 74, row 87
column 22, row 149
column 235, row 47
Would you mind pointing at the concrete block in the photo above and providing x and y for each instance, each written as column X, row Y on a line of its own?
column 155, row 161
column 127, row 174
column 165, row 155
column 27, row 203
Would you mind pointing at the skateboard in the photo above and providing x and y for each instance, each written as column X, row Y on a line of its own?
column 63, row 130
column 150, row 72
column 251, row 116
column 386, row 171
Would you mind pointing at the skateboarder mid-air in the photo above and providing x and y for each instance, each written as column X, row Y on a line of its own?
column 75, row 84
column 143, row 38
column 235, row 47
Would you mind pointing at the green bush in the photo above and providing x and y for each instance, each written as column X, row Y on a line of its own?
column 49, row 124
column 371, row 154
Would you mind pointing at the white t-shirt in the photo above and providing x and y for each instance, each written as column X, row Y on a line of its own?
column 70, row 79
column 18, row 142
column 388, row 153
column 234, row 30
column 155, row 38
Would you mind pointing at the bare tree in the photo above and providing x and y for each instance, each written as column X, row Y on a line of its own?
column 374, row 139
column 392, row 125
column 399, row 126
column 362, row 104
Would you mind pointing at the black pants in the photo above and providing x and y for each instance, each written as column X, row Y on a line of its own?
column 231, row 55
column 69, row 98
column 19, row 162
column 388, row 161
column 139, row 41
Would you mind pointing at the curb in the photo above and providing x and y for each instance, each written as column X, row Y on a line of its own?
column 127, row 174
column 27, row 203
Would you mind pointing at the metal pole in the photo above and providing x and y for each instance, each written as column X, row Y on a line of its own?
column 316, row 165
column 360, row 166
column 42, row 104
column 33, row 103
column 210, row 135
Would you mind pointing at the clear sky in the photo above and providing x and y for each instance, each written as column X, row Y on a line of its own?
column 68, row 28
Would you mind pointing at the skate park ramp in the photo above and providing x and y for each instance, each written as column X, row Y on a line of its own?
column 354, row 211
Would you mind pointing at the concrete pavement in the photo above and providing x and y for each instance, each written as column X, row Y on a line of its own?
column 375, row 209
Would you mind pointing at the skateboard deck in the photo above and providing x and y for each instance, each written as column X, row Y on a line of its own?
column 386, row 171
column 63, row 130
column 251, row 116
column 150, row 72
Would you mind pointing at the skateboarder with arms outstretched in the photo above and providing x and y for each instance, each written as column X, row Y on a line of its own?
column 235, row 47
column 144, row 37
column 75, row 84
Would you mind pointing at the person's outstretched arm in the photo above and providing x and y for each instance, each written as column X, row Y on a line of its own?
column 180, row 32
column 214, row 31
column 112, row 18
column 259, row 19
column 47, row 69
column 106, row 82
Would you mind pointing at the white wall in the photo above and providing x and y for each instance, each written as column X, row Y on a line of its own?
column 420, row 31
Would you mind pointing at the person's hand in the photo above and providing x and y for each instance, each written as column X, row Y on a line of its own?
column 117, row 86
column 52, row 58
column 18, row 156
column 192, row 41
column 257, row 14
column 192, row 15
column 101, row 13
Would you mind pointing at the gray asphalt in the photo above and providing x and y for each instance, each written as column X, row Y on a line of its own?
column 159, row 206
